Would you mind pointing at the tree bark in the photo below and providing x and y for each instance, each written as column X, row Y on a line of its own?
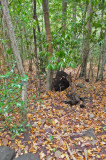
column 74, row 19
column 64, row 12
column 49, row 38
column 103, row 54
column 35, row 45
column 2, row 57
column 2, row 60
column 42, row 66
column 98, row 69
column 86, row 42
column 14, row 46
column 2, row 34
column 12, row 37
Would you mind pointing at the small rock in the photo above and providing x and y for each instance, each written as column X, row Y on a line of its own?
column 28, row 156
column 49, row 158
column 35, row 124
column 105, row 110
column 57, row 154
column 93, row 142
column 87, row 80
column 91, row 115
column 82, row 106
column 39, row 142
column 85, row 125
column 80, row 85
column 90, row 133
column 6, row 153
column 65, row 129
column 48, row 130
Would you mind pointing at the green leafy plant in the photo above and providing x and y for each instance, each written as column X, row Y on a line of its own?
column 11, row 105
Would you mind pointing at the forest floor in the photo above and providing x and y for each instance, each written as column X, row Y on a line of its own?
column 60, row 131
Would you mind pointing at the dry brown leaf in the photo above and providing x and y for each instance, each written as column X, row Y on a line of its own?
column 5, row 141
column 26, row 149
column 58, row 154
column 42, row 155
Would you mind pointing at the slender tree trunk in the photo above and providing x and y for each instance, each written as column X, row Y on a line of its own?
column 74, row 19
column 64, row 12
column 2, row 57
column 49, row 38
column 90, row 72
column 27, row 50
column 14, row 46
column 2, row 34
column 2, row 60
column 98, row 69
column 38, row 27
column 12, row 37
column 22, row 43
column 84, row 13
column 86, row 42
column 103, row 54
column 36, row 57
column 42, row 66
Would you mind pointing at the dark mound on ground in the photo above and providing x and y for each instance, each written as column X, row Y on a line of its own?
column 60, row 82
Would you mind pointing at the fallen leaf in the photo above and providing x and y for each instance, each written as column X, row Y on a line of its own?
column 26, row 149
column 5, row 141
column 86, row 153
column 58, row 154
column 42, row 155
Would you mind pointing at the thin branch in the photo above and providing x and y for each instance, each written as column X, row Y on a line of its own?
column 71, row 154
column 86, row 154
column 10, row 2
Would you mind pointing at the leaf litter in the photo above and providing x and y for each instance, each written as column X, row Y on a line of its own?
column 59, row 131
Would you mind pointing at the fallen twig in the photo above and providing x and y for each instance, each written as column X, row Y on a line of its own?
column 86, row 154
column 70, row 134
column 71, row 154
column 65, row 115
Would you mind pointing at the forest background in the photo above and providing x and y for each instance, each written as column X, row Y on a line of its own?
column 39, row 37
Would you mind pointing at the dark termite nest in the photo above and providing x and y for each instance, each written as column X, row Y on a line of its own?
column 60, row 82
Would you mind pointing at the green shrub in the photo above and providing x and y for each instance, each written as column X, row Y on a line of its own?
column 12, row 108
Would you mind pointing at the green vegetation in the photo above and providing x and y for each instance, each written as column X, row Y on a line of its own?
column 11, row 104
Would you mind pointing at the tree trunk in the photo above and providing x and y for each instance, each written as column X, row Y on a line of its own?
column 2, row 35
column 2, row 57
column 35, row 45
column 14, row 46
column 22, row 43
column 90, row 72
column 42, row 66
column 12, row 37
column 103, row 54
column 98, row 69
column 86, row 42
column 74, row 20
column 49, row 38
column 2, row 60
column 64, row 12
